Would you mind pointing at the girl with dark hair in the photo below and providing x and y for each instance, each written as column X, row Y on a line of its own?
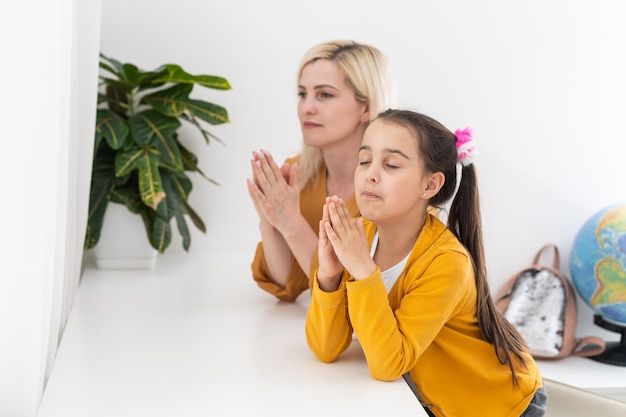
column 413, row 290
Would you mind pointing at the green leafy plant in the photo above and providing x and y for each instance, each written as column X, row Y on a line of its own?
column 138, row 158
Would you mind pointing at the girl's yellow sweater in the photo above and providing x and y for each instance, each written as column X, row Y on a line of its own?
column 426, row 326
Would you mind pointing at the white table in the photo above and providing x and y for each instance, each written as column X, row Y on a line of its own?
column 197, row 337
column 588, row 374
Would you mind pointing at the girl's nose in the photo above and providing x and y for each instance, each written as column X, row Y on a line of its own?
column 372, row 175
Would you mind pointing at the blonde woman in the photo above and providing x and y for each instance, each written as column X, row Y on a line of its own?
column 342, row 86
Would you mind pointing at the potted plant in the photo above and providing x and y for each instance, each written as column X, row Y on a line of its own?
column 138, row 159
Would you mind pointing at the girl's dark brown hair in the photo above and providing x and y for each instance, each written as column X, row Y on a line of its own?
column 437, row 148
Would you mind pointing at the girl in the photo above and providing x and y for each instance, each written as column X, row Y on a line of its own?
column 414, row 291
column 342, row 85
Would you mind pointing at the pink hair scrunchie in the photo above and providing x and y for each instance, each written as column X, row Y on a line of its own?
column 465, row 149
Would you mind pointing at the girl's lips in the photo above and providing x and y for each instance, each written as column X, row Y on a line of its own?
column 308, row 125
column 369, row 195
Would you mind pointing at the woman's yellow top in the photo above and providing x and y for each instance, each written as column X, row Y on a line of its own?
column 312, row 200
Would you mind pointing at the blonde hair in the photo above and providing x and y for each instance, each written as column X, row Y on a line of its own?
column 367, row 72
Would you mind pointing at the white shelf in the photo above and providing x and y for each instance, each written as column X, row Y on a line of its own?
column 588, row 374
column 196, row 337
column 191, row 335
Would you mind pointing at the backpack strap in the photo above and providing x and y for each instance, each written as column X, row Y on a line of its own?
column 589, row 346
column 556, row 261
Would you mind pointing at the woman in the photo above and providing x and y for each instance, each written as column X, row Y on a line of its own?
column 342, row 85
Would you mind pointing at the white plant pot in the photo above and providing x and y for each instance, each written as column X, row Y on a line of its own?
column 123, row 242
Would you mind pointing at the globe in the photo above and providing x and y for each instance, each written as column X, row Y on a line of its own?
column 598, row 270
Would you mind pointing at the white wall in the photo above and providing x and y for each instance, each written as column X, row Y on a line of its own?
column 49, row 74
column 542, row 83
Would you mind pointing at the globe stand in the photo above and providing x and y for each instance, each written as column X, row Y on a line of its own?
column 615, row 352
